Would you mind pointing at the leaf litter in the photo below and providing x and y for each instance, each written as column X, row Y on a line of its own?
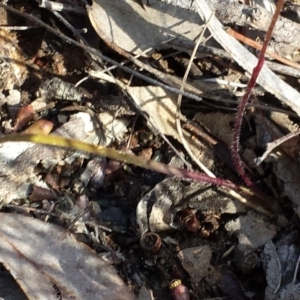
column 54, row 264
column 210, row 240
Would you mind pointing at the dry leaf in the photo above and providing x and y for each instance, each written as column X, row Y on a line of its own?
column 156, row 209
column 280, row 265
column 161, row 105
column 18, row 160
column 218, row 123
column 283, row 121
column 94, row 173
column 126, row 24
column 253, row 231
column 272, row 266
column 49, row 263
column 196, row 261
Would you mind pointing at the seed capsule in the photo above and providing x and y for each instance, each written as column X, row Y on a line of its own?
column 190, row 220
column 178, row 290
column 150, row 242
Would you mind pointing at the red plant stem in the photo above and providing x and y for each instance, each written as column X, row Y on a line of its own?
column 242, row 106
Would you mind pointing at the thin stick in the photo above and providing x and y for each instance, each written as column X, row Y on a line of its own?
column 272, row 145
column 257, row 46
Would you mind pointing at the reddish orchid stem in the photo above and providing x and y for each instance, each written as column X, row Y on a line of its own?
column 242, row 106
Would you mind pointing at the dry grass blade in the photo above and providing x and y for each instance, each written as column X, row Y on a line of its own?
column 178, row 125
column 263, row 207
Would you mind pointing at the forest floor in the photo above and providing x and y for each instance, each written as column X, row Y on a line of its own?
column 153, row 229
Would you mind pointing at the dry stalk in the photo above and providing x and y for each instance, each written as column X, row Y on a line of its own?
column 177, row 117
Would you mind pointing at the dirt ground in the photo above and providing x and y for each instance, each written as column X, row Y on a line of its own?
column 154, row 229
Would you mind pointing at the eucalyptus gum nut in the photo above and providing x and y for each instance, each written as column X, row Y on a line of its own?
column 150, row 242
column 179, row 291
